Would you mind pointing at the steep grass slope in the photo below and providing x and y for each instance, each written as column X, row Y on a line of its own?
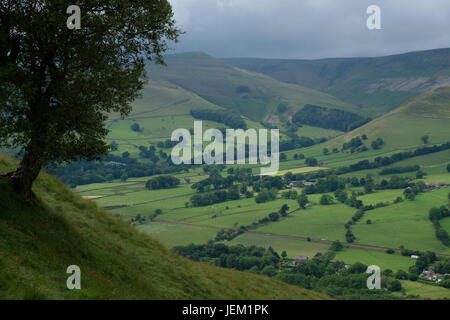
column 39, row 241
column 254, row 95
column 378, row 85
column 427, row 114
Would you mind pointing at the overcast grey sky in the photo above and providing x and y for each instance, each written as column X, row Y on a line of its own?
column 310, row 29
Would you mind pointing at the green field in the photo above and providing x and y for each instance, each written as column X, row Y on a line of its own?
column 385, row 261
column 176, row 235
column 293, row 247
column 404, row 224
column 423, row 291
column 320, row 222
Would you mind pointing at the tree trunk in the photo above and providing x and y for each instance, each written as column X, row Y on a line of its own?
column 23, row 176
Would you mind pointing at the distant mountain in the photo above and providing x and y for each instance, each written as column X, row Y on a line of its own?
column 377, row 85
column 254, row 95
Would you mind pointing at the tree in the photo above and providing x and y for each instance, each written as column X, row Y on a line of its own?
column 326, row 200
column 284, row 254
column 283, row 210
column 282, row 108
column 302, row 201
column 274, row 216
column 58, row 85
column 124, row 177
column 341, row 195
column 336, row 246
column 409, row 194
column 394, row 285
column 448, row 167
column 369, row 185
column 424, row 139
column 401, row 275
column 269, row 270
column 135, row 127
column 420, row 174
column 312, row 162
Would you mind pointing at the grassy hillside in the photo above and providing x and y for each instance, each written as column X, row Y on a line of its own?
column 254, row 95
column 39, row 241
column 377, row 85
column 427, row 114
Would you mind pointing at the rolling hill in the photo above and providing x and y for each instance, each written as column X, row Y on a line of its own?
column 377, row 85
column 40, row 240
column 253, row 95
column 426, row 114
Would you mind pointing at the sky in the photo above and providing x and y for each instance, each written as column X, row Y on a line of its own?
column 309, row 29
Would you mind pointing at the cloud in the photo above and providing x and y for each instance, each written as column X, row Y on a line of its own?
column 309, row 28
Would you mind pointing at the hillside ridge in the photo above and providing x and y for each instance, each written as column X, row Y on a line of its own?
column 376, row 84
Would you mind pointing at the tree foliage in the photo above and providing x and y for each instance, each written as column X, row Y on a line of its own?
column 58, row 85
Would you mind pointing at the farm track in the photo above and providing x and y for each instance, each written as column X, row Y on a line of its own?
column 351, row 245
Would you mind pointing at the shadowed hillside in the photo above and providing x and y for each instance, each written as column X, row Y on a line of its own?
column 254, row 95
column 377, row 85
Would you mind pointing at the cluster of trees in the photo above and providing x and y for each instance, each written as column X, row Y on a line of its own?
column 282, row 108
column 268, row 182
column 385, row 161
column 135, row 127
column 226, row 117
column 243, row 89
column 209, row 198
column 326, row 151
column 266, row 195
column 166, row 144
column 328, row 118
column 162, row 182
column 321, row 273
column 296, row 142
column 216, row 181
column 329, row 184
column 414, row 189
column 290, row 194
column 396, row 170
column 110, row 168
column 429, row 261
column 150, row 153
column 395, row 182
column 254, row 259
column 352, row 144
column 435, row 215
column 376, row 144
column 311, row 162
